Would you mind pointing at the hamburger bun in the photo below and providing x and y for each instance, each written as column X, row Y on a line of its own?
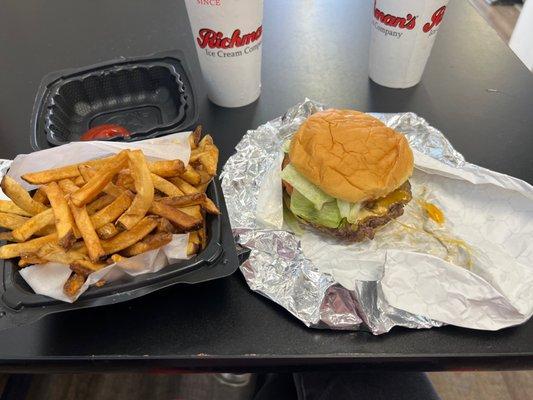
column 351, row 155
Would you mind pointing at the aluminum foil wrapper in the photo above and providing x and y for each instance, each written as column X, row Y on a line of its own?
column 278, row 269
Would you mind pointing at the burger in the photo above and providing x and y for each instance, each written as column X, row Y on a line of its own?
column 347, row 174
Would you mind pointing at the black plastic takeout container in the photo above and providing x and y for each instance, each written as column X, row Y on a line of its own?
column 19, row 305
column 150, row 96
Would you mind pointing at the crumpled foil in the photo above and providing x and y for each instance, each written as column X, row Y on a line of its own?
column 327, row 295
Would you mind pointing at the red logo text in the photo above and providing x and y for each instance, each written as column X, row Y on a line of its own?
column 409, row 22
column 217, row 40
column 436, row 19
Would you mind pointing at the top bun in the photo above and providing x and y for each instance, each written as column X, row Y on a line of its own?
column 351, row 155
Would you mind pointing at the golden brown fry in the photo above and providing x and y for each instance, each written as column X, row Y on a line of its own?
column 165, row 186
column 115, row 258
column 99, row 203
column 193, row 211
column 31, row 246
column 7, row 206
column 195, row 155
column 144, row 187
column 100, row 283
column 107, row 231
column 20, row 196
column 30, row 259
column 79, row 181
column 192, row 248
column 96, row 184
column 86, row 267
column 87, row 231
column 204, row 176
column 112, row 211
column 89, row 172
column 125, row 180
column 183, row 186
column 150, row 242
column 191, row 176
column 127, row 238
column 47, row 230
column 180, row 219
column 67, row 186
column 12, row 221
column 166, row 168
column 73, row 284
column 194, row 137
column 207, row 140
column 191, row 200
column 209, row 160
column 56, row 174
column 63, row 218
column 40, row 196
column 55, row 253
column 202, row 234
column 33, row 225
column 164, row 225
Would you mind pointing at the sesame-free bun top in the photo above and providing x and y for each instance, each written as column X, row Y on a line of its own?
column 351, row 155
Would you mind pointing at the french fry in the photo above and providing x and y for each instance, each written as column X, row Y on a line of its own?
column 100, row 283
column 62, row 216
column 144, row 187
column 191, row 176
column 193, row 211
column 89, row 172
column 165, row 186
column 87, row 231
column 112, row 211
column 204, row 176
column 99, row 203
column 209, row 159
column 47, row 230
column 67, row 186
column 191, row 200
column 31, row 246
column 207, row 140
column 150, row 242
column 192, row 245
column 183, row 186
column 166, row 168
column 20, row 196
column 96, row 184
column 179, row 218
column 127, row 238
column 107, row 231
column 202, row 234
column 30, row 259
column 115, row 258
column 79, row 181
column 194, row 137
column 195, row 155
column 7, row 206
column 33, row 225
column 56, row 174
column 125, row 180
column 8, row 236
column 12, row 221
column 40, row 196
column 55, row 253
column 73, row 284
column 86, row 267
column 164, row 225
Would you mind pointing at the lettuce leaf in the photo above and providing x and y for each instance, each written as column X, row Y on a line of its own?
column 350, row 211
column 306, row 188
column 328, row 216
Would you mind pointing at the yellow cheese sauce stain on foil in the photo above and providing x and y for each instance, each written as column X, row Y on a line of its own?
column 433, row 212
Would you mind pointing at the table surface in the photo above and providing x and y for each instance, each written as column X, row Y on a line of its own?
column 474, row 89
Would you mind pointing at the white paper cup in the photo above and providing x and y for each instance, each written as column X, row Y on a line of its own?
column 403, row 33
column 228, row 38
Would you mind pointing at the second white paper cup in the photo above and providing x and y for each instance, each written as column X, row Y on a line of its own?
column 228, row 38
column 403, row 33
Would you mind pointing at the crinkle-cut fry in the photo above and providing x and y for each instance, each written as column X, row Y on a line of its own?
column 180, row 219
column 40, row 196
column 7, row 206
column 73, row 284
column 107, row 231
column 86, row 267
column 112, row 211
column 67, row 186
column 191, row 176
column 166, row 168
column 97, row 183
column 20, row 196
column 87, row 231
column 165, row 186
column 12, row 221
column 31, row 246
column 145, row 191
column 194, row 137
column 63, row 218
column 33, row 225
column 99, row 203
column 89, row 172
column 185, row 187
column 127, row 238
column 56, row 174
column 150, row 242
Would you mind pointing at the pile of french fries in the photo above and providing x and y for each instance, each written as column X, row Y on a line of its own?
column 91, row 214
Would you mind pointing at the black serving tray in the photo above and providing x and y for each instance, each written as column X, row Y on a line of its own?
column 19, row 305
column 150, row 96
